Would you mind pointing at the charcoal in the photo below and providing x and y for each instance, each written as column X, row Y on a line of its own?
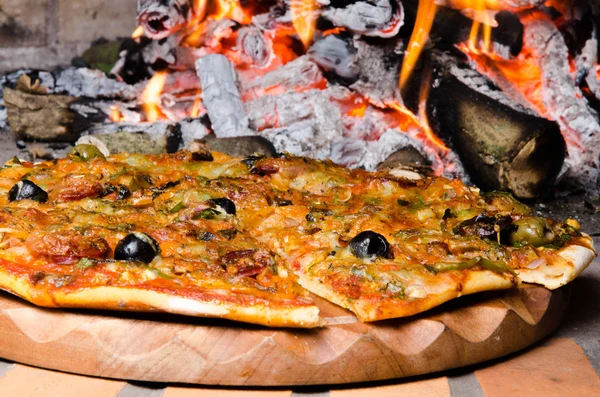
column 239, row 147
column 162, row 18
column 255, row 47
column 222, row 97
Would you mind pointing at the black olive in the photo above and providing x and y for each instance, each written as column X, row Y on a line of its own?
column 203, row 155
column 27, row 190
column 224, row 203
column 123, row 193
column 369, row 244
column 137, row 247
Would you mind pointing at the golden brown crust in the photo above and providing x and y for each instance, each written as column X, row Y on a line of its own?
column 138, row 299
column 560, row 269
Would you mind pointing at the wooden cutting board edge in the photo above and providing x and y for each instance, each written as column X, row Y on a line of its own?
column 174, row 349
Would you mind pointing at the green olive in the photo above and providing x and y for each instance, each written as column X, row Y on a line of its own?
column 531, row 231
column 87, row 152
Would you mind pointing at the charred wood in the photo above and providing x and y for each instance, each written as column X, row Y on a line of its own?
column 222, row 97
column 502, row 146
column 299, row 74
column 565, row 103
column 161, row 19
column 239, row 147
column 375, row 18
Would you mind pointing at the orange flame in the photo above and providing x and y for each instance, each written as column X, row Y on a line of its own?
column 151, row 96
column 304, row 19
column 233, row 10
column 359, row 111
column 115, row 115
column 425, row 16
column 137, row 33
column 423, row 96
column 195, row 112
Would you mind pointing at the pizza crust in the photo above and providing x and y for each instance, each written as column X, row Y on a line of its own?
column 136, row 299
column 368, row 311
column 572, row 260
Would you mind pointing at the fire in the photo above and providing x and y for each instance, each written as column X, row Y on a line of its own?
column 423, row 96
column 425, row 16
column 137, row 33
column 232, row 9
column 359, row 111
column 304, row 19
column 480, row 12
column 115, row 114
column 195, row 112
column 151, row 96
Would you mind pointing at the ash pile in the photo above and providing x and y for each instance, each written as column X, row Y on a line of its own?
column 504, row 94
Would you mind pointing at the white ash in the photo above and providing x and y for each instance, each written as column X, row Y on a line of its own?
column 379, row 73
column 305, row 138
column 191, row 130
column 286, row 109
column 298, row 74
column 565, row 102
column 336, row 54
column 255, row 47
column 377, row 18
column 221, row 96
column 171, row 15
column 586, row 66
column 83, row 82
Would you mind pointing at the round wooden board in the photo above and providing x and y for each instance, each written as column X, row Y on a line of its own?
column 167, row 348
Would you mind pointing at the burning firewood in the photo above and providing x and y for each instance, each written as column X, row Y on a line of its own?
column 503, row 146
column 222, row 97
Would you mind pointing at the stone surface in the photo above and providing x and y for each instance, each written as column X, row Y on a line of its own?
column 91, row 19
column 22, row 23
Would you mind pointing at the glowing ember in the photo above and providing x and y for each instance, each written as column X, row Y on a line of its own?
column 304, row 19
column 115, row 114
column 151, row 96
column 358, row 111
column 420, row 35
column 137, row 33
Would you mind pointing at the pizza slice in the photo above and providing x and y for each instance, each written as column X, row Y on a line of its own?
column 386, row 247
column 116, row 234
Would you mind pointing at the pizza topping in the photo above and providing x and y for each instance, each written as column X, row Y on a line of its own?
column 79, row 186
column 86, row 152
column 202, row 155
column 494, row 228
column 532, row 231
column 27, row 190
column 247, row 263
column 66, row 247
column 225, row 204
column 369, row 244
column 138, row 247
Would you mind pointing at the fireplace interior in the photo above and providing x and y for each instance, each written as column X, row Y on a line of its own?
column 504, row 94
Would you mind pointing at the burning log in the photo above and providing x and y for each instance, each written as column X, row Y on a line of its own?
column 502, row 145
column 222, row 97
column 564, row 102
column 375, row 18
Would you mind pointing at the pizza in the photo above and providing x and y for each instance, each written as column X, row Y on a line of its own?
column 252, row 239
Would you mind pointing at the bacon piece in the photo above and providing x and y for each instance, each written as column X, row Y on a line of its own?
column 66, row 246
column 77, row 187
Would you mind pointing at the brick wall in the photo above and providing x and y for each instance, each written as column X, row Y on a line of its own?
column 43, row 34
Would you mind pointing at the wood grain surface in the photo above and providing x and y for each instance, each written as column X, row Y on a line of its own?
column 167, row 348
